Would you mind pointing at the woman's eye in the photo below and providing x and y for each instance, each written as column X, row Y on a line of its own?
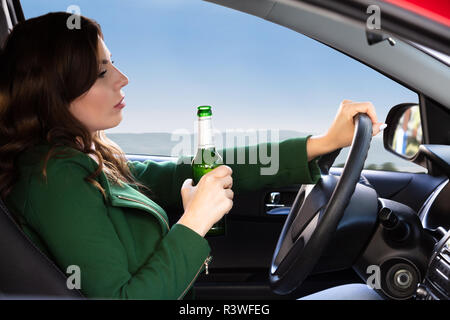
column 102, row 74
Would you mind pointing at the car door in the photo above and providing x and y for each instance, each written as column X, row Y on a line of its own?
column 295, row 87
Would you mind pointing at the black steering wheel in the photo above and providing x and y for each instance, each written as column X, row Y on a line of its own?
column 315, row 215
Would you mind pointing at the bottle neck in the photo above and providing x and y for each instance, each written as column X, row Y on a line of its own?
column 205, row 134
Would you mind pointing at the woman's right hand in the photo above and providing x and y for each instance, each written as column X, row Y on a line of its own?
column 208, row 201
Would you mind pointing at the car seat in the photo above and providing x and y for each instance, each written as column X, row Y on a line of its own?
column 25, row 271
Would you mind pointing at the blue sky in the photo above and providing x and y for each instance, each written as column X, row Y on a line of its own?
column 179, row 54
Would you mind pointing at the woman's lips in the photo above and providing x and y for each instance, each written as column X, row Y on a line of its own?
column 121, row 104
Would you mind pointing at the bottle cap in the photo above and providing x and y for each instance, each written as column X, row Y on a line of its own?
column 204, row 111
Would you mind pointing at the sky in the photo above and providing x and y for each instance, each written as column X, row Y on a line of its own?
column 179, row 54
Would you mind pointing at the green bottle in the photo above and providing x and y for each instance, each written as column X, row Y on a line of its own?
column 207, row 158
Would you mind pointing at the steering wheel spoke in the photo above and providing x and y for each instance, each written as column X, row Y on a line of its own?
column 315, row 215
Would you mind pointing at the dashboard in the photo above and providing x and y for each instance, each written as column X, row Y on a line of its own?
column 434, row 215
column 436, row 210
column 436, row 285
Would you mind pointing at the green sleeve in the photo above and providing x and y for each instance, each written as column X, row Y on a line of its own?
column 164, row 179
column 281, row 164
column 275, row 164
column 71, row 217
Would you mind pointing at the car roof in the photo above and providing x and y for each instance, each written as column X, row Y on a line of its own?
column 435, row 10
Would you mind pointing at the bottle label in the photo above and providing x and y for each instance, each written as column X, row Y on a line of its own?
column 205, row 134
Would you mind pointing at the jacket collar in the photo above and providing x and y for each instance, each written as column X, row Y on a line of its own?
column 127, row 196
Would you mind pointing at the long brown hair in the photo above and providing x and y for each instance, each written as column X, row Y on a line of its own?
column 44, row 66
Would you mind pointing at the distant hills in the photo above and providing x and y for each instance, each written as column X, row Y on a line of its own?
column 185, row 143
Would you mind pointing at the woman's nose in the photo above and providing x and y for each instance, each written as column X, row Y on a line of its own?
column 122, row 80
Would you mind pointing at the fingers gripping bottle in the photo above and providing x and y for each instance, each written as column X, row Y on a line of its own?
column 207, row 158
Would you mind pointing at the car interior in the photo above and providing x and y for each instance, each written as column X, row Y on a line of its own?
column 384, row 229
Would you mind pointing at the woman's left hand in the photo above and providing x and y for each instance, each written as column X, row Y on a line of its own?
column 340, row 134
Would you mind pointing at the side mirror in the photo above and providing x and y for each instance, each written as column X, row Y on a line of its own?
column 403, row 135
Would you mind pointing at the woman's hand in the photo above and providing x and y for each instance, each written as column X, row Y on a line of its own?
column 340, row 134
column 208, row 201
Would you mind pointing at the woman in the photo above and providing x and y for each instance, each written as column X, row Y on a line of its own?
column 75, row 195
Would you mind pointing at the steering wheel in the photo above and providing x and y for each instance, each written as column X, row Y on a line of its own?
column 315, row 215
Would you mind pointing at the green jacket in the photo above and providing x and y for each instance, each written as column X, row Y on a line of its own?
column 124, row 245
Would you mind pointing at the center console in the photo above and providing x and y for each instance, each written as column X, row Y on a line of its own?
column 436, row 284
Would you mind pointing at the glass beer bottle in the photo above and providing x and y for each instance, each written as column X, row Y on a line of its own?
column 207, row 158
